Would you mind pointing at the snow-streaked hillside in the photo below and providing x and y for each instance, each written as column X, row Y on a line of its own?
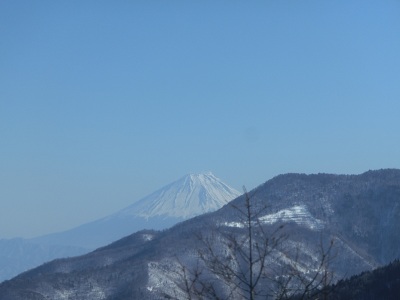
column 192, row 195
column 358, row 215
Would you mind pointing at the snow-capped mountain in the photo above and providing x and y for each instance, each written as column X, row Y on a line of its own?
column 358, row 214
column 192, row 195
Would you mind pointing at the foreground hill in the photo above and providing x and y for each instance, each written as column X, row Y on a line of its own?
column 381, row 283
column 359, row 213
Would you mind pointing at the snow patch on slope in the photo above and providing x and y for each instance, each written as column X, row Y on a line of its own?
column 163, row 277
column 298, row 214
column 147, row 237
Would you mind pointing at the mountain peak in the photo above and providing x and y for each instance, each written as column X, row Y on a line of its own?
column 192, row 195
column 200, row 176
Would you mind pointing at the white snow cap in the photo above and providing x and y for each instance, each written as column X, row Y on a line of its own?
column 192, row 195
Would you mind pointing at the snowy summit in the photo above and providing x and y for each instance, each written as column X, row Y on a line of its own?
column 192, row 195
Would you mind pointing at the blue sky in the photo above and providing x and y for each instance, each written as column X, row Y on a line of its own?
column 102, row 102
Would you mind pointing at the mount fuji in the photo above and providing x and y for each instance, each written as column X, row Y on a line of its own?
column 192, row 195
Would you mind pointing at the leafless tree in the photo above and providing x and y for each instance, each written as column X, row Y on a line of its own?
column 296, row 285
column 243, row 268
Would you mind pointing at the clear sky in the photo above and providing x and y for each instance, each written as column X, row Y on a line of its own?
column 103, row 102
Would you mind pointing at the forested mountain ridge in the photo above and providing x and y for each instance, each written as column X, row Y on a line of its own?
column 359, row 214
